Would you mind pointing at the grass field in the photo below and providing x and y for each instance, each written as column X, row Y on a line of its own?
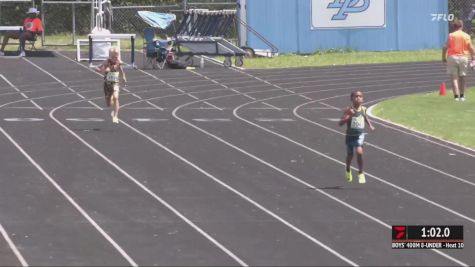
column 436, row 115
column 319, row 58
column 329, row 58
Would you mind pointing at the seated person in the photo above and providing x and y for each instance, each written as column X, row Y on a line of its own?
column 32, row 26
column 163, row 46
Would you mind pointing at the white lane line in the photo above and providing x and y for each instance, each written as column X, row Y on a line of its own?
column 71, row 200
column 272, row 106
column 168, row 84
column 306, row 97
column 212, row 120
column 21, row 107
column 236, row 191
column 21, row 93
column 331, row 119
column 13, row 247
column 146, row 189
column 339, row 162
column 24, row 119
column 388, row 151
column 323, row 108
column 124, row 87
column 155, row 106
column 275, row 120
column 85, row 119
column 62, row 83
column 203, row 108
column 263, row 108
column 148, row 119
column 272, row 214
column 303, row 182
column 213, row 106
column 246, row 95
column 209, row 79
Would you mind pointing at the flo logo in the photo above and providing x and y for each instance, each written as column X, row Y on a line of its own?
column 348, row 6
column 399, row 232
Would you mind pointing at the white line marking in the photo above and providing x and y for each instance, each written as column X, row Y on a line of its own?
column 203, row 108
column 146, row 189
column 341, row 163
column 272, row 106
column 155, row 106
column 85, row 119
column 306, row 97
column 263, row 108
column 21, row 107
column 71, row 200
column 318, row 108
column 274, row 120
column 211, row 105
column 62, row 83
column 213, row 120
column 13, row 247
column 24, row 119
column 236, row 191
column 148, row 119
column 388, row 151
column 298, row 230
column 331, row 119
column 246, row 95
column 295, row 178
column 21, row 93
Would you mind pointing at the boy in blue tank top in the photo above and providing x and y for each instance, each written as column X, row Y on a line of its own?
column 355, row 118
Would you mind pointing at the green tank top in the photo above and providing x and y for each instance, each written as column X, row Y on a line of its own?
column 355, row 125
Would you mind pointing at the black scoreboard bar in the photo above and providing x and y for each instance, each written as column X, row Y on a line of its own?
column 427, row 237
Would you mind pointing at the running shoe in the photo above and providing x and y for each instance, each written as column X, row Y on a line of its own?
column 349, row 177
column 22, row 54
column 361, row 178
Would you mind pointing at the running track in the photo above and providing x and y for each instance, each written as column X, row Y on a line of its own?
column 218, row 167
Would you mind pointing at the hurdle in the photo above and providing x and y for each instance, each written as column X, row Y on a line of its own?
column 109, row 38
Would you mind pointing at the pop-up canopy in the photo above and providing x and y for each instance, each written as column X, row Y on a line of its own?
column 157, row 20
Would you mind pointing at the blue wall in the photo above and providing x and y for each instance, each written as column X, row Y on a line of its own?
column 287, row 24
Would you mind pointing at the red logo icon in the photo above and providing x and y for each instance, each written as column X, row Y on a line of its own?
column 399, row 232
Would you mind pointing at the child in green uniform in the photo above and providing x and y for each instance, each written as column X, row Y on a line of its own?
column 112, row 71
column 355, row 117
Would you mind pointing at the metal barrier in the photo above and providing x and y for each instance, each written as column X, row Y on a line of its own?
column 203, row 32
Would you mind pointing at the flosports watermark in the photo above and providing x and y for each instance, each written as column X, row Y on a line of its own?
column 442, row 17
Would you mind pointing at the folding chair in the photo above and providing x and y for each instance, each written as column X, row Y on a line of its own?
column 31, row 43
column 150, row 50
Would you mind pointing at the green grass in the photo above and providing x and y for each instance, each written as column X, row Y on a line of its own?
column 430, row 113
column 319, row 58
column 329, row 58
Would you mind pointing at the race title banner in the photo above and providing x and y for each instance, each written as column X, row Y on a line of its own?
column 330, row 14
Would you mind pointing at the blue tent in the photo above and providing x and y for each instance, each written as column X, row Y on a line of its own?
column 157, row 20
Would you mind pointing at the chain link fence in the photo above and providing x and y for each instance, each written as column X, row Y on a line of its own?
column 11, row 13
column 465, row 11
column 125, row 18
column 68, row 20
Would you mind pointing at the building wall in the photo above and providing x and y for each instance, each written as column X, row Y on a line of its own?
column 287, row 24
